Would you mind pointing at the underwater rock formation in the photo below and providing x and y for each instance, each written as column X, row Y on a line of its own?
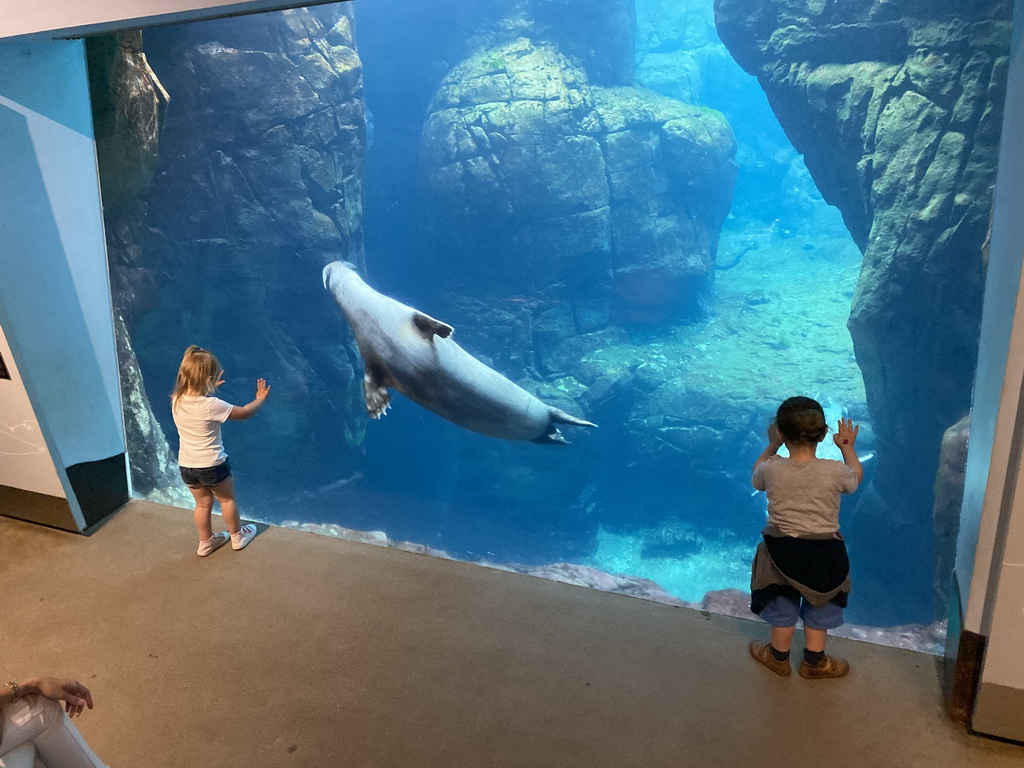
column 260, row 182
column 128, row 104
column 896, row 108
column 949, row 495
column 558, row 181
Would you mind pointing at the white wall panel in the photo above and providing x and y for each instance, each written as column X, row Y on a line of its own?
column 54, row 295
column 25, row 461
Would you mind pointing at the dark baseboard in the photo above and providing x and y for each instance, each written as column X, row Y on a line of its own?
column 53, row 511
column 101, row 487
column 965, row 651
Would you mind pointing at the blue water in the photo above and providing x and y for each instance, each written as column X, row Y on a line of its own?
column 661, row 489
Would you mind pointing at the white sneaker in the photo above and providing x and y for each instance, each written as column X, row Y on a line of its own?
column 241, row 539
column 211, row 545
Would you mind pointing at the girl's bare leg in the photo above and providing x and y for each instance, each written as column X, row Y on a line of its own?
column 225, row 493
column 201, row 516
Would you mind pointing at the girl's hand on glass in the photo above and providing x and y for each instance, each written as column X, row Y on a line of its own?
column 774, row 438
column 262, row 389
column 846, row 434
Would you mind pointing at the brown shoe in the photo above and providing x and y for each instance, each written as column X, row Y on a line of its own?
column 830, row 666
column 762, row 652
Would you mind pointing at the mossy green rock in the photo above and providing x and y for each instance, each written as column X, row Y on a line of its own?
column 555, row 178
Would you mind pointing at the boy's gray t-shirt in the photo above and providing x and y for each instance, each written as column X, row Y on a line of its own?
column 803, row 496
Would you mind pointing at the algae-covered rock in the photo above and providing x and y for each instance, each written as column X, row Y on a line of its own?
column 128, row 104
column 571, row 188
column 949, row 496
column 259, row 184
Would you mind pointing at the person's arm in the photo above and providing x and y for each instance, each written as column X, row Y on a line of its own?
column 243, row 412
column 846, row 439
column 774, row 443
column 76, row 697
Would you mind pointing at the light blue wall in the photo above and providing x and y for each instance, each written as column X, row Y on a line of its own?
column 1000, row 365
column 54, row 294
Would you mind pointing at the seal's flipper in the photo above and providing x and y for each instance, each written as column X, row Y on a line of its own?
column 561, row 417
column 375, row 392
column 430, row 327
column 551, row 437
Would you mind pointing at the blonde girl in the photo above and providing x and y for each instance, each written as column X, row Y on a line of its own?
column 201, row 456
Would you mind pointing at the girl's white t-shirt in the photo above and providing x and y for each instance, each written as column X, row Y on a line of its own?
column 198, row 420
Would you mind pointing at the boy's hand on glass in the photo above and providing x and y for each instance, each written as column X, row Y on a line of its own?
column 262, row 389
column 774, row 438
column 846, row 434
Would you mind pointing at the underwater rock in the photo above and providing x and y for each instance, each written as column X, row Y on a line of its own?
column 128, row 104
column 690, row 438
column 153, row 465
column 949, row 496
column 728, row 602
column 504, row 153
column 526, row 161
column 377, row 538
column 587, row 576
column 671, row 172
column 259, row 179
column 897, row 111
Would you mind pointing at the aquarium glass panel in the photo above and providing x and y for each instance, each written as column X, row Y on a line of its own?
column 528, row 279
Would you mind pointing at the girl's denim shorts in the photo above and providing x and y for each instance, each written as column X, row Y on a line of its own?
column 206, row 477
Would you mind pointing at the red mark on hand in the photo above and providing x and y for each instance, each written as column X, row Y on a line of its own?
column 846, row 442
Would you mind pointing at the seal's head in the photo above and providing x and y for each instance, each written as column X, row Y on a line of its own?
column 337, row 269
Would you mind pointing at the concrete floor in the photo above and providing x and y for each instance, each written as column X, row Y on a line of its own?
column 309, row 651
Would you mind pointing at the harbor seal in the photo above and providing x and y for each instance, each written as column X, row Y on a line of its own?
column 406, row 350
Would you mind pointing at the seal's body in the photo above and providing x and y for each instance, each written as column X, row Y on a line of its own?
column 413, row 353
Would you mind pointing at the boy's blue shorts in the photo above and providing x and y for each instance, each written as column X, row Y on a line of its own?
column 784, row 610
column 206, row 477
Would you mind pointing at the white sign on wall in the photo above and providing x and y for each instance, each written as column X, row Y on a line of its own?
column 25, row 461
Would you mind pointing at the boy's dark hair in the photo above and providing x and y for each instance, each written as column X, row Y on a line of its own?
column 801, row 420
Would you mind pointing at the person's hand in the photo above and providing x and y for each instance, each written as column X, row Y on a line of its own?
column 846, row 434
column 262, row 389
column 76, row 697
column 774, row 437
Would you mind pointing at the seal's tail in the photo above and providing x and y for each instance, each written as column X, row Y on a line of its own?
column 561, row 417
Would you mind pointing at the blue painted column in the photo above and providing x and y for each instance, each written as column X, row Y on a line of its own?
column 55, row 307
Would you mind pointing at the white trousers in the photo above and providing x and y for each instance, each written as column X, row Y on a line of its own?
column 38, row 727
